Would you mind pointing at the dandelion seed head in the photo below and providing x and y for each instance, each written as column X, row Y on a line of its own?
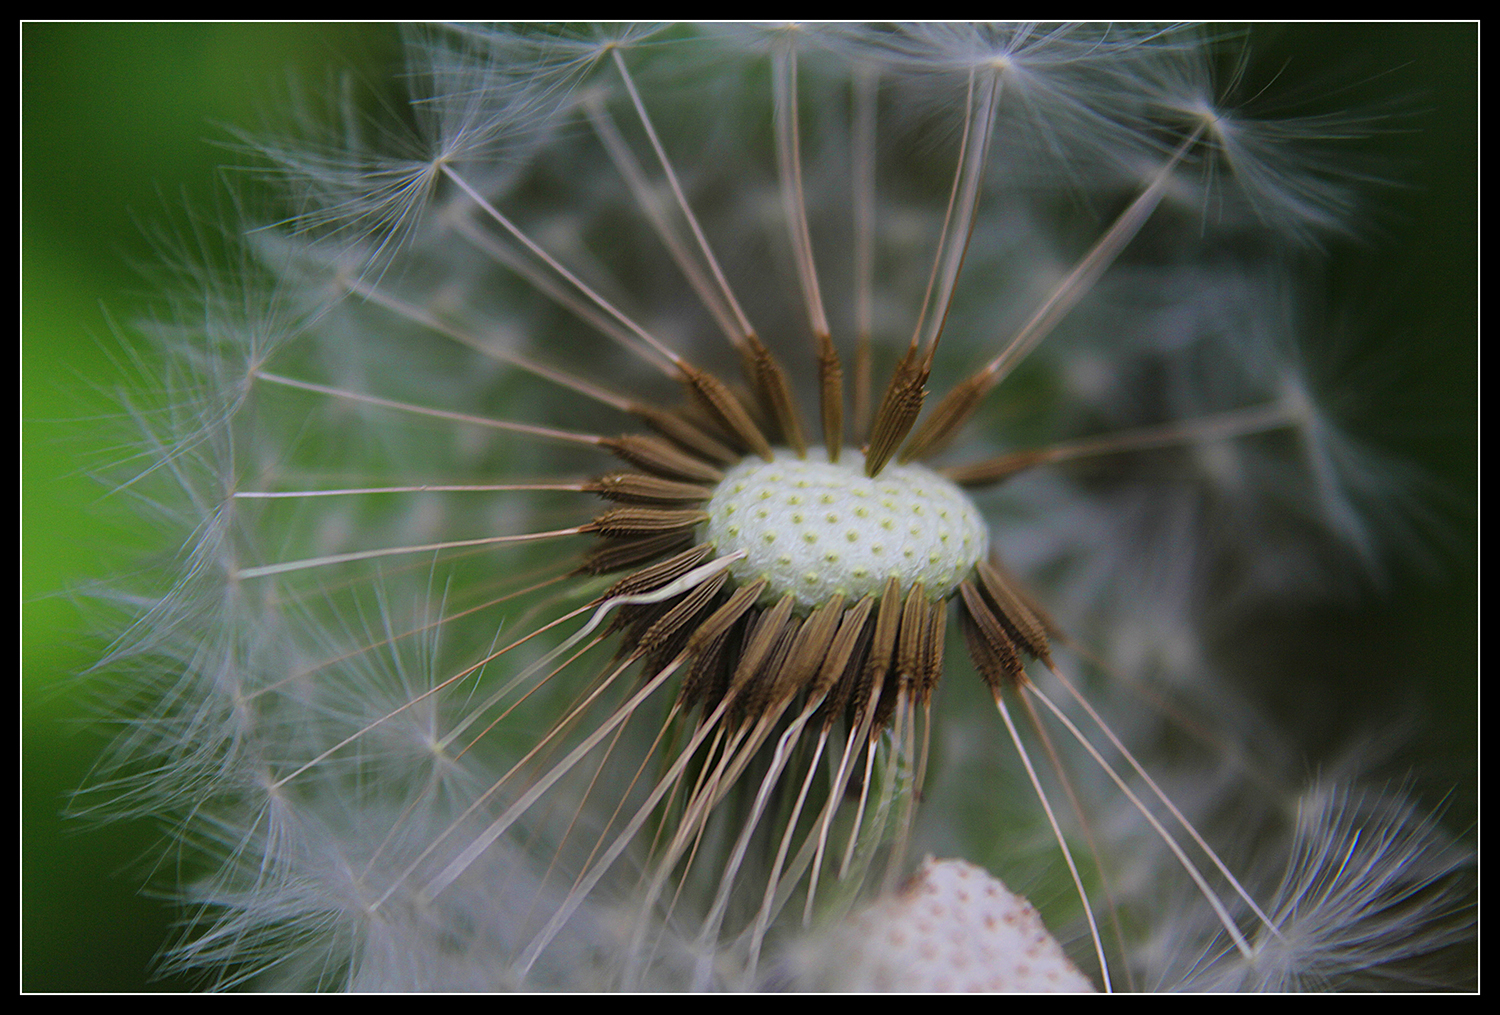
column 430, row 716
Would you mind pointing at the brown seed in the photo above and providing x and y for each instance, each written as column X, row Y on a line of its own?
column 1021, row 622
column 726, row 409
column 644, row 521
column 831, row 396
column 757, row 648
column 728, row 615
column 882, row 650
column 617, row 554
column 685, row 433
column 657, row 455
column 847, row 650
column 993, row 652
column 640, row 488
column 658, row 575
column 812, row 647
column 932, row 664
column 770, row 383
column 952, row 412
column 666, row 634
column 899, row 409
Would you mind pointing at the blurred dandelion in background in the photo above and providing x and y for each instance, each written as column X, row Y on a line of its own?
column 636, row 493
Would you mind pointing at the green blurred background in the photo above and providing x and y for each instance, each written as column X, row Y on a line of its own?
column 119, row 124
column 118, row 131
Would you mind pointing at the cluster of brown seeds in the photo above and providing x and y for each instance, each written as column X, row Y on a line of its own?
column 753, row 665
